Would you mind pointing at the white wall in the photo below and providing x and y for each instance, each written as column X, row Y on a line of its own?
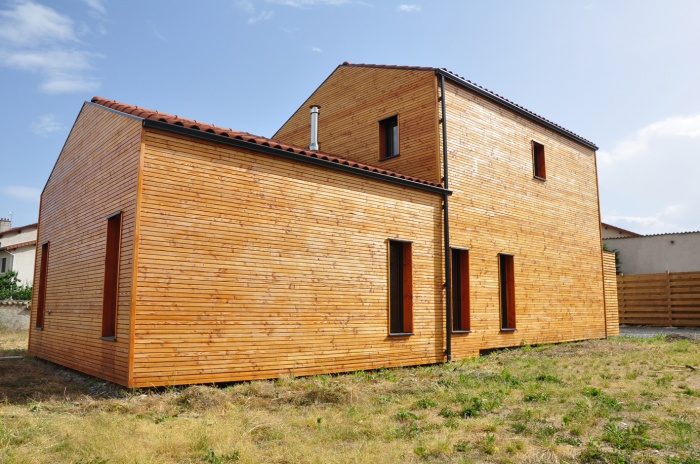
column 658, row 253
column 20, row 259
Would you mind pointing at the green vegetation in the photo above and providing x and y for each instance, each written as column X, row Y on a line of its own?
column 605, row 401
column 10, row 288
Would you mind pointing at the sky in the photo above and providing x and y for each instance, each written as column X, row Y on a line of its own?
column 624, row 74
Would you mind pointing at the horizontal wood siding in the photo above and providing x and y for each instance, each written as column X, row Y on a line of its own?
column 354, row 99
column 550, row 227
column 94, row 177
column 664, row 299
column 254, row 267
column 611, row 312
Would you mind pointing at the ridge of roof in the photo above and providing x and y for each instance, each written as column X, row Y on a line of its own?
column 16, row 229
column 486, row 93
column 145, row 113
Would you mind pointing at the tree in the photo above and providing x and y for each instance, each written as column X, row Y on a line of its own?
column 10, row 288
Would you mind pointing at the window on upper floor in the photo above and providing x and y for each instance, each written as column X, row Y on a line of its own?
column 538, row 165
column 389, row 137
column 400, row 288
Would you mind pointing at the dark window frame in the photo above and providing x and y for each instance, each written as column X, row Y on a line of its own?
column 41, row 291
column 110, row 289
column 3, row 264
column 539, row 168
column 461, row 306
column 389, row 137
column 400, row 288
column 506, row 286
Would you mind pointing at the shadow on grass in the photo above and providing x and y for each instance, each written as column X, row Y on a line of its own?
column 25, row 379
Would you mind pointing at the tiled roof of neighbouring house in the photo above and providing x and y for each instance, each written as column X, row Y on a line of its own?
column 17, row 229
column 18, row 245
column 145, row 113
column 486, row 93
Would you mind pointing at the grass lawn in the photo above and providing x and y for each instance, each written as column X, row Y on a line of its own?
column 621, row 400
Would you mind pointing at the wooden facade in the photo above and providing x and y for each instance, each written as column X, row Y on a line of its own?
column 240, row 260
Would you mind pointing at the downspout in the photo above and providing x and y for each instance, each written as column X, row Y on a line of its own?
column 446, row 220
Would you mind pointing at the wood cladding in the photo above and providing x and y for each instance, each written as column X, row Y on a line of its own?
column 664, row 299
column 354, row 100
column 95, row 175
column 611, row 312
column 252, row 266
column 550, row 226
column 239, row 265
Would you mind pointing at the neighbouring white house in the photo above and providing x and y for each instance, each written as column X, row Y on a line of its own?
column 650, row 254
column 17, row 250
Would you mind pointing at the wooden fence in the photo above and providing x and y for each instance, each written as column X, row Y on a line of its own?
column 668, row 299
column 612, row 323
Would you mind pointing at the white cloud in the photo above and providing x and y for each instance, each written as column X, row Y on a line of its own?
column 246, row 6
column 412, row 8
column 316, row 50
column 33, row 24
column 46, row 124
column 23, row 193
column 648, row 179
column 37, row 39
column 97, row 5
column 262, row 16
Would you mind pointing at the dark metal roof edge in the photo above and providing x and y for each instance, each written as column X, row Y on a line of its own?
column 502, row 101
column 188, row 132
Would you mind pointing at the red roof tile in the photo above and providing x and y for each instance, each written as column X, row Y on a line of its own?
column 19, row 245
column 262, row 141
column 486, row 92
column 17, row 229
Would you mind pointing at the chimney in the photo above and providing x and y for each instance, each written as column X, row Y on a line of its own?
column 314, row 127
column 5, row 224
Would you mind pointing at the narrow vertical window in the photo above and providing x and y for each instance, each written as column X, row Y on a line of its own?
column 538, row 160
column 507, row 287
column 460, row 290
column 111, row 282
column 41, row 297
column 3, row 265
column 389, row 137
column 400, row 288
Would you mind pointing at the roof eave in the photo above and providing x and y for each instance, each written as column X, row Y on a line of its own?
column 503, row 102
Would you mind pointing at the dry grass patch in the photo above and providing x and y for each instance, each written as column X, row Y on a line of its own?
column 618, row 401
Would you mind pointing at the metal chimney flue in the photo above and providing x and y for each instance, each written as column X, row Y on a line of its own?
column 314, row 127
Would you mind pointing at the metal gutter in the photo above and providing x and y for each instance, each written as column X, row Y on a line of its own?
column 513, row 107
column 278, row 152
column 446, row 228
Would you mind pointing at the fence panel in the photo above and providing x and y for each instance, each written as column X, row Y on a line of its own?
column 666, row 299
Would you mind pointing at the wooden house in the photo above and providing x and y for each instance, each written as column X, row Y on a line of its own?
column 435, row 219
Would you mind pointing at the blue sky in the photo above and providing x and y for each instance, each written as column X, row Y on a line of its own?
column 623, row 74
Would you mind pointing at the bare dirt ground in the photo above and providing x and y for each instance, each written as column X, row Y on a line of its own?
column 690, row 333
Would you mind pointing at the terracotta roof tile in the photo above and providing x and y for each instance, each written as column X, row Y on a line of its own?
column 18, row 229
column 262, row 141
column 492, row 95
column 19, row 245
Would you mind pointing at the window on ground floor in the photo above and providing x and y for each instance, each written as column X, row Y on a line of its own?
column 400, row 288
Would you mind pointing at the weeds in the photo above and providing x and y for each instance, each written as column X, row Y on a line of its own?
column 592, row 402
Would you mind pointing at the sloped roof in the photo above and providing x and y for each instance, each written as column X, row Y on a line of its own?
column 18, row 245
column 489, row 95
column 175, row 120
column 620, row 229
column 17, row 229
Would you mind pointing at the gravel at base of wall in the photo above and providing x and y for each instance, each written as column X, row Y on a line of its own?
column 692, row 333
